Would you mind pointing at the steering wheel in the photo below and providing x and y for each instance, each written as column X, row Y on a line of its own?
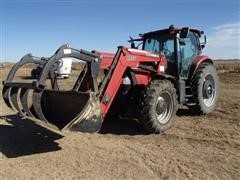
column 167, row 52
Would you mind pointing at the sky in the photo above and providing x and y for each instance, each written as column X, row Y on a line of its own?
column 41, row 26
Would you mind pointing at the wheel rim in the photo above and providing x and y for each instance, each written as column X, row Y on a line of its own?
column 209, row 91
column 164, row 107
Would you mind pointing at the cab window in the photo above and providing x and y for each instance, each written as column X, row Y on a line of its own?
column 189, row 50
column 164, row 43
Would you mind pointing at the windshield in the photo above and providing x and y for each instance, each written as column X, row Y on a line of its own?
column 163, row 43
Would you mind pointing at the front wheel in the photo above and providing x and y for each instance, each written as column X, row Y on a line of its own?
column 158, row 106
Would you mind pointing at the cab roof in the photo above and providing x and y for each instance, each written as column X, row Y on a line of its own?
column 171, row 30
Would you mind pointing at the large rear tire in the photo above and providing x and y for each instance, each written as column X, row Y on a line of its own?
column 205, row 89
column 158, row 106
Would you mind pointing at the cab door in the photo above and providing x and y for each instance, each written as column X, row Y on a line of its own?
column 189, row 49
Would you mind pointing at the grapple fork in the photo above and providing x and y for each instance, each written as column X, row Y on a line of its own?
column 77, row 109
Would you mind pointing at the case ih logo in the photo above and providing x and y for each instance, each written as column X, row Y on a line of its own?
column 131, row 58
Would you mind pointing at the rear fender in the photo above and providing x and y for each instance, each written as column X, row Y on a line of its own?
column 197, row 62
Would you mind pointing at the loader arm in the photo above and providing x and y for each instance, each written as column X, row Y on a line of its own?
column 124, row 59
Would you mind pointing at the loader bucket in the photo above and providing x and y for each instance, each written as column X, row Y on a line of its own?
column 66, row 110
column 69, row 110
column 77, row 109
column 60, row 107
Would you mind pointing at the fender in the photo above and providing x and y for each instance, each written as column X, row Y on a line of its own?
column 197, row 62
column 164, row 76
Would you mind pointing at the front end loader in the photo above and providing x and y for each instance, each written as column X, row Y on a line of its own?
column 63, row 109
column 84, row 107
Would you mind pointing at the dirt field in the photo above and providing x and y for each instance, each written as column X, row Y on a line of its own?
column 200, row 147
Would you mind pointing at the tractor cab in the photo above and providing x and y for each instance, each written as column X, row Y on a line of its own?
column 182, row 50
column 180, row 46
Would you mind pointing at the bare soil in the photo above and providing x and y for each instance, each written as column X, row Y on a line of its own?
column 196, row 147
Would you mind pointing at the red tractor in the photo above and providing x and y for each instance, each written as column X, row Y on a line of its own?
column 168, row 70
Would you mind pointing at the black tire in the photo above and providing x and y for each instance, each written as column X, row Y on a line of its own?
column 158, row 106
column 205, row 89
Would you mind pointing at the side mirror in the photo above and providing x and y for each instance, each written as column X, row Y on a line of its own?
column 202, row 44
column 133, row 45
column 205, row 39
column 184, row 32
column 132, row 42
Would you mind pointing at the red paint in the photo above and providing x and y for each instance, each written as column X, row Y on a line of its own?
column 200, row 59
column 106, row 59
column 143, row 79
column 129, row 58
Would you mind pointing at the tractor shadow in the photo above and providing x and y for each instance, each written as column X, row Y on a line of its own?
column 27, row 78
column 132, row 127
column 23, row 137
column 122, row 127
column 186, row 112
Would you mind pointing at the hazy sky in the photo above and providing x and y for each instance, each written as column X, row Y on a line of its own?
column 41, row 26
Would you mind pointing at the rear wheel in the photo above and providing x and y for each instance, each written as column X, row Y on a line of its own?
column 158, row 106
column 205, row 89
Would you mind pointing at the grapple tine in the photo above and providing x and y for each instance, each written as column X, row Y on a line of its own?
column 14, row 98
column 24, row 101
column 5, row 94
column 37, row 104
